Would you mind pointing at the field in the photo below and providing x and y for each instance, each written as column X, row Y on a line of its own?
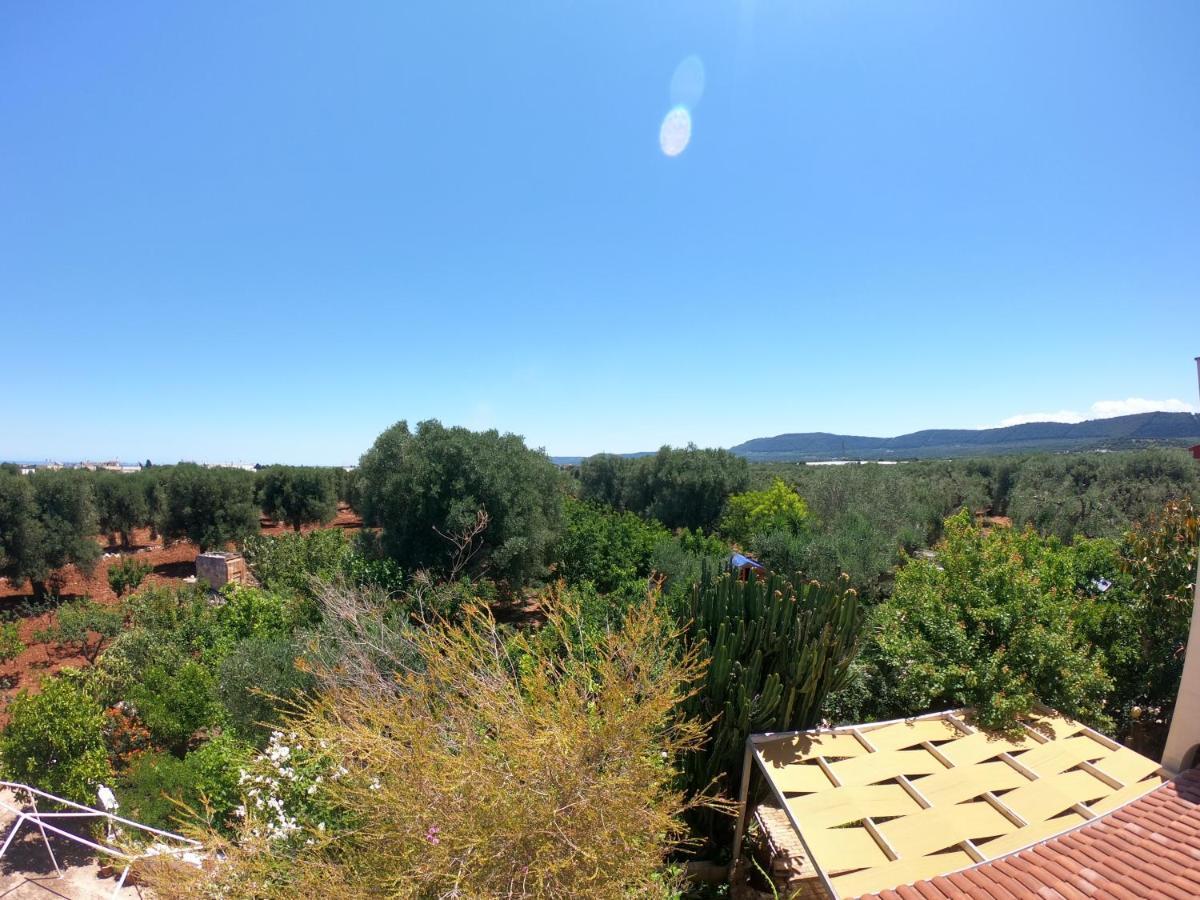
column 171, row 565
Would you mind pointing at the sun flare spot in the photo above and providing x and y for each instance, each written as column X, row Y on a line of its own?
column 676, row 131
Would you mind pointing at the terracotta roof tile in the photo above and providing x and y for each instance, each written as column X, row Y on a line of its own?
column 1147, row 849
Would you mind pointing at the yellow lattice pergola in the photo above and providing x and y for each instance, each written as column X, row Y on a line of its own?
column 883, row 805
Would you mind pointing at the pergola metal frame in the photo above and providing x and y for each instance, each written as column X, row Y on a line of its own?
column 44, row 821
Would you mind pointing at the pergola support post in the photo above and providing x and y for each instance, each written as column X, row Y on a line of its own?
column 748, row 761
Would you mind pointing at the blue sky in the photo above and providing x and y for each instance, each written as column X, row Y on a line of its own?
column 267, row 231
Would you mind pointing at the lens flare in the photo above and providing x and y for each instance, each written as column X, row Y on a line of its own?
column 676, row 131
column 687, row 84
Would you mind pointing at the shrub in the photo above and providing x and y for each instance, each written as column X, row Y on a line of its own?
column 252, row 612
column 11, row 645
column 127, row 575
column 302, row 563
column 179, row 616
column 133, row 652
column 680, row 561
column 125, row 736
column 175, row 704
column 557, row 783
column 259, row 680
column 1160, row 562
column 54, row 740
column 151, row 790
column 777, row 509
column 609, row 549
column 164, row 791
column 295, row 563
column 992, row 622
column 297, row 495
column 367, row 570
column 84, row 626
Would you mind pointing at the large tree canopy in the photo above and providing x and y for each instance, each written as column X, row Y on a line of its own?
column 681, row 488
column 122, row 504
column 450, row 500
column 297, row 495
column 47, row 521
column 209, row 507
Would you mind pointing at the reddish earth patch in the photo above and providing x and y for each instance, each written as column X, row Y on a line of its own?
column 171, row 565
column 346, row 519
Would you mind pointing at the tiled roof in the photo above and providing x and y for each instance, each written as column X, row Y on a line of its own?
column 1148, row 848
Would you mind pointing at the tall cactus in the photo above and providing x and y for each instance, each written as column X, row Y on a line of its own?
column 776, row 647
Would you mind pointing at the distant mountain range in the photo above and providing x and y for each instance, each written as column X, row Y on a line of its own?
column 1153, row 429
column 1119, row 433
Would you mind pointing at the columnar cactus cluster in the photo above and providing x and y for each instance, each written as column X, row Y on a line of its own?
column 776, row 646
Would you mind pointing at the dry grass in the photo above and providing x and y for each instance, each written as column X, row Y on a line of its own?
column 488, row 771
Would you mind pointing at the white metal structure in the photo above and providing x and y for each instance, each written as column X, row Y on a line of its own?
column 168, row 842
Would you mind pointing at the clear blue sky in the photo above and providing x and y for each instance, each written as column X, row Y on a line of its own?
column 266, row 231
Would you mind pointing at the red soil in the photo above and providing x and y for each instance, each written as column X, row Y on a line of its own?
column 171, row 565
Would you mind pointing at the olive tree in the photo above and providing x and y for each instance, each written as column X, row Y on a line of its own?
column 682, row 488
column 297, row 495
column 453, row 500
column 121, row 504
column 47, row 521
column 209, row 507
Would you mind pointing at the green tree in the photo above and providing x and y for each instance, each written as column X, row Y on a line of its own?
column 777, row 509
column 603, row 479
column 1160, row 561
column 121, row 504
column 1099, row 495
column 992, row 622
column 297, row 495
column 54, row 740
column 209, row 507
column 682, row 488
column 47, row 521
column 457, row 501
column 20, row 530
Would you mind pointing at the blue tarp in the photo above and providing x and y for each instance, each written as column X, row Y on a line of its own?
column 738, row 561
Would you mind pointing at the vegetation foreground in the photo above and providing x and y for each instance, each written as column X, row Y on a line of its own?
column 518, row 680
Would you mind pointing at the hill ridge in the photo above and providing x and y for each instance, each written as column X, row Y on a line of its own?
column 1116, row 433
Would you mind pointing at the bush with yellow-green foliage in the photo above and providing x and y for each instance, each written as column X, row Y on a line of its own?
column 468, row 775
column 777, row 509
